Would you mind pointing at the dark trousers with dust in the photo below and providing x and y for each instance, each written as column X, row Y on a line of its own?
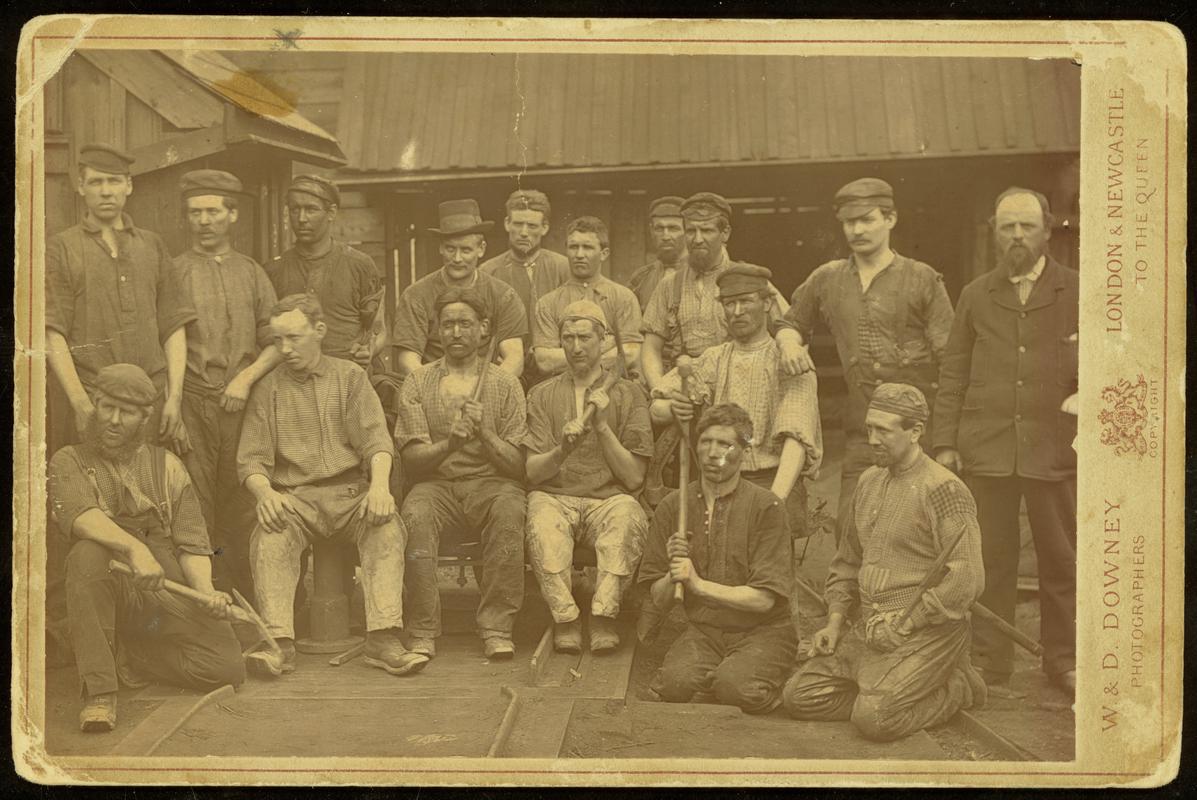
column 490, row 510
column 228, row 508
column 165, row 637
column 886, row 695
column 735, row 668
column 1051, row 510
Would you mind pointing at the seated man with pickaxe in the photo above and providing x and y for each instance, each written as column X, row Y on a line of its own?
column 316, row 455
column 118, row 498
column 910, row 560
column 734, row 573
column 461, row 431
column 589, row 442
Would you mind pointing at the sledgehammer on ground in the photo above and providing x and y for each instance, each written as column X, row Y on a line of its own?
column 242, row 612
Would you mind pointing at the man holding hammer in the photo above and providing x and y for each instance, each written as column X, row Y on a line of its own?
column 910, row 561
column 735, row 571
column 115, row 497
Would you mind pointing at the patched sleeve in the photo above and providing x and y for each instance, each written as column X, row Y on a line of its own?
column 798, row 418
column 541, row 436
column 952, row 508
column 188, row 531
column 60, row 288
column 770, row 563
column 71, row 491
column 411, row 424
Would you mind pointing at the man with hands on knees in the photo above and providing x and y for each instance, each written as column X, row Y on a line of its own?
column 582, row 471
column 116, row 497
column 736, row 574
column 910, row 561
column 316, row 455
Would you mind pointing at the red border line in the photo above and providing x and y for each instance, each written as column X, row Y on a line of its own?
column 29, row 388
column 1164, row 446
column 591, row 772
column 613, row 40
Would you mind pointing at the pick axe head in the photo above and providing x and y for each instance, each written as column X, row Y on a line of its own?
column 257, row 621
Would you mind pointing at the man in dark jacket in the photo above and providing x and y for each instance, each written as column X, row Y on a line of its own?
column 1005, row 418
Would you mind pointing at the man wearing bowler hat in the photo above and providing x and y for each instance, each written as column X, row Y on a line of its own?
column 112, row 296
column 669, row 244
column 417, row 337
column 347, row 282
column 889, row 314
column 229, row 349
column 684, row 315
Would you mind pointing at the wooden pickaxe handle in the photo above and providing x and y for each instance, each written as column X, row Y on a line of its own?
column 1008, row 630
column 182, row 591
column 684, row 368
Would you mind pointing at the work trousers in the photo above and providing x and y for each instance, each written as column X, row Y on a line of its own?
column 1051, row 509
column 327, row 512
column 886, row 695
column 492, row 508
column 227, row 507
column 735, row 668
column 794, row 505
column 615, row 527
column 165, row 637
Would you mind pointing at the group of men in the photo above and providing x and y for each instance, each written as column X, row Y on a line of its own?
column 533, row 389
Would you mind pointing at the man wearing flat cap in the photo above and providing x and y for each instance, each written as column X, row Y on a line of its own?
column 589, row 248
column 904, row 665
column 229, row 349
column 1006, row 419
column 889, row 315
column 787, row 445
column 417, row 335
column 683, row 314
column 582, row 477
column 669, row 245
column 113, row 296
column 461, row 428
column 347, row 282
column 526, row 266
column 116, row 497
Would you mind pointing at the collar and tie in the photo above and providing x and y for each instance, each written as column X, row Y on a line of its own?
column 1025, row 283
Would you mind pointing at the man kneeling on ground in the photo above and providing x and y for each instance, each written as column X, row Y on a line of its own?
column 897, row 673
column 583, row 476
column 736, row 571
column 118, row 498
column 316, row 454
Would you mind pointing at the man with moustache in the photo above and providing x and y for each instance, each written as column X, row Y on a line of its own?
column 669, row 244
column 787, row 444
column 527, row 267
column 683, row 315
column 229, row 349
column 582, row 478
column 736, row 571
column 467, row 458
column 316, row 455
column 417, row 332
column 889, row 315
column 1006, row 420
column 112, row 296
column 905, row 665
column 589, row 248
column 115, row 497
column 346, row 281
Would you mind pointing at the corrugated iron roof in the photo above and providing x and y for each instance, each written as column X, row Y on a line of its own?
column 446, row 112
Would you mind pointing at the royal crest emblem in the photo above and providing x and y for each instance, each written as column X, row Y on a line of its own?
column 1125, row 416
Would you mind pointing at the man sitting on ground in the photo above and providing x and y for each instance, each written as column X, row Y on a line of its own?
column 316, row 455
column 583, row 477
column 736, row 571
column 896, row 672
column 118, row 498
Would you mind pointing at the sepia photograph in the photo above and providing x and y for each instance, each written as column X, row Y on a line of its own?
column 466, row 404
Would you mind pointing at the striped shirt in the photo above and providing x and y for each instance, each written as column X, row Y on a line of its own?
column 425, row 417
column 781, row 406
column 300, row 429
column 898, row 526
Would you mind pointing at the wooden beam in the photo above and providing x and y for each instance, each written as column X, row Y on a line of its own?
column 178, row 149
column 152, row 79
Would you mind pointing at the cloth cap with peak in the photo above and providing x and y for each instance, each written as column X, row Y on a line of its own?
column 741, row 278
column 128, row 383
column 210, row 181
column 861, row 196
column 584, row 309
column 668, row 206
column 105, row 158
column 704, row 206
column 317, row 186
column 901, row 399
